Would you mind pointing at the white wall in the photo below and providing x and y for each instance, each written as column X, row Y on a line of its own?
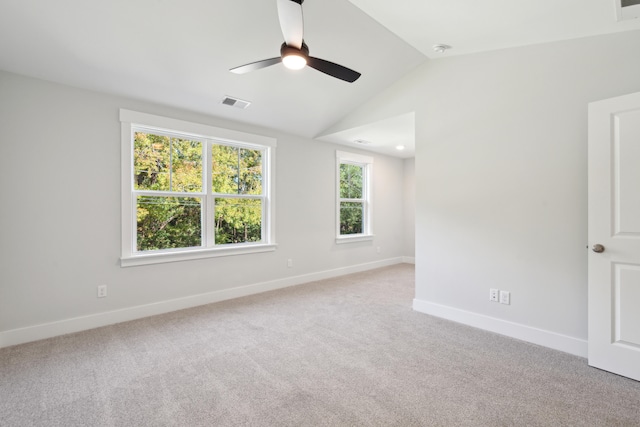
column 60, row 217
column 501, row 177
column 409, row 208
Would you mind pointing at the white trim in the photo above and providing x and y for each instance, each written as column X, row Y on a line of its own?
column 353, row 157
column 352, row 238
column 409, row 259
column 195, row 129
column 145, row 258
column 127, row 209
column 208, row 201
column 571, row 345
column 269, row 176
column 77, row 324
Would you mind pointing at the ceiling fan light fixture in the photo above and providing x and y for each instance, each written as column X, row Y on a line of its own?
column 294, row 61
column 294, row 58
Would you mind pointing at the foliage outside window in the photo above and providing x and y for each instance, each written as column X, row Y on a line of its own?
column 353, row 205
column 192, row 194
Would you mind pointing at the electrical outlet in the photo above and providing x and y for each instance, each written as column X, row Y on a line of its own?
column 493, row 295
column 289, row 263
column 505, row 297
column 102, row 291
column 378, row 249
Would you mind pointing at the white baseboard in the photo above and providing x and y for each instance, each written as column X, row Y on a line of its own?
column 567, row 344
column 409, row 260
column 77, row 324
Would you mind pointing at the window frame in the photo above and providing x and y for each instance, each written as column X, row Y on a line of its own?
column 366, row 162
column 132, row 121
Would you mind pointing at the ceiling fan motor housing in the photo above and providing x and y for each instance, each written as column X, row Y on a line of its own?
column 286, row 50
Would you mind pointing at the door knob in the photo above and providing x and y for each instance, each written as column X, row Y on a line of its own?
column 598, row 248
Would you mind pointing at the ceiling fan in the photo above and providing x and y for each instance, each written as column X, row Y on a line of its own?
column 294, row 52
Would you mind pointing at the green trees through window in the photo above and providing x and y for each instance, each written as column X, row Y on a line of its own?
column 168, row 222
column 237, row 171
column 353, row 204
column 351, row 199
column 174, row 203
column 162, row 163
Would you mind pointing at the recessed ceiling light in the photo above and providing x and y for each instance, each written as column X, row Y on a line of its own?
column 400, row 147
column 441, row 48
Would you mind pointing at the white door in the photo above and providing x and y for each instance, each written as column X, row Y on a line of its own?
column 614, row 223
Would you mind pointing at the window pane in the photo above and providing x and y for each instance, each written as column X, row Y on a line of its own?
column 168, row 222
column 162, row 163
column 351, row 218
column 238, row 220
column 350, row 181
column 186, row 165
column 236, row 170
column 224, row 162
column 250, row 171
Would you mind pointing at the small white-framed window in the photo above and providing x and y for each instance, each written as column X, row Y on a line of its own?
column 353, row 197
column 193, row 191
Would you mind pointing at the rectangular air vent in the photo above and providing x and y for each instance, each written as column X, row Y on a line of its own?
column 235, row 102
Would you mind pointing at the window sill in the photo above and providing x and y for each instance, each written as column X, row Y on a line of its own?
column 354, row 238
column 163, row 257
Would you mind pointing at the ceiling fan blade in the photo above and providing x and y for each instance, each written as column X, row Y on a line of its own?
column 291, row 22
column 256, row 65
column 333, row 69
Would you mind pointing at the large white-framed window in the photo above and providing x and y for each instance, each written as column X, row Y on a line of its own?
column 353, row 197
column 193, row 191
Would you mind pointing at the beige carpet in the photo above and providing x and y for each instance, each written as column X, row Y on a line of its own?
column 343, row 352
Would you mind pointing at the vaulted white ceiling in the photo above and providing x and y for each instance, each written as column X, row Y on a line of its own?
column 473, row 26
column 179, row 52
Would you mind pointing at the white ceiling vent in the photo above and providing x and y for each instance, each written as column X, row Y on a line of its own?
column 235, row 102
column 627, row 9
column 362, row 142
